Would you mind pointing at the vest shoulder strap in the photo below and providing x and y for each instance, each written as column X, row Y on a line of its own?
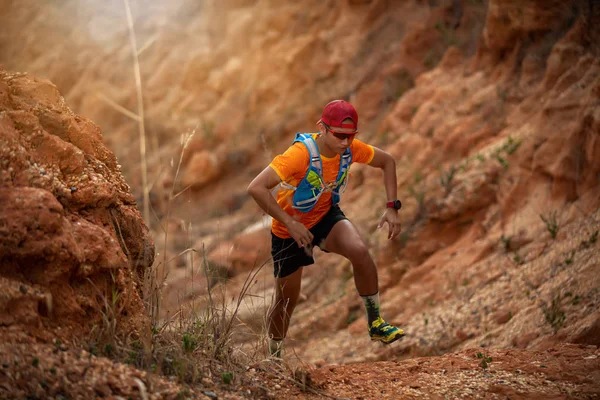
column 313, row 150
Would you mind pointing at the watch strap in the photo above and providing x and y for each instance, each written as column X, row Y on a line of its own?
column 395, row 204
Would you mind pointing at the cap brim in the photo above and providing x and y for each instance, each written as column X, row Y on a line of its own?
column 334, row 129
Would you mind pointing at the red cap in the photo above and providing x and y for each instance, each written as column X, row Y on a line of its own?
column 337, row 111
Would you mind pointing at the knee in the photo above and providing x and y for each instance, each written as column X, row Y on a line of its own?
column 359, row 253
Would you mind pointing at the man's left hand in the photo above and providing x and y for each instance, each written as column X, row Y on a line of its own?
column 391, row 217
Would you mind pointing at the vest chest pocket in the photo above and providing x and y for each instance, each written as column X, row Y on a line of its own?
column 312, row 186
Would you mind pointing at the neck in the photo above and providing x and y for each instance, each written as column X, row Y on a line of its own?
column 324, row 149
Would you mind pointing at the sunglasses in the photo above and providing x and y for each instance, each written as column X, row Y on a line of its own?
column 339, row 136
column 343, row 136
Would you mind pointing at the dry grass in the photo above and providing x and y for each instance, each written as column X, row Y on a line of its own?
column 193, row 345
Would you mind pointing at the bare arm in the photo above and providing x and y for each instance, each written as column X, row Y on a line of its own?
column 386, row 162
column 260, row 190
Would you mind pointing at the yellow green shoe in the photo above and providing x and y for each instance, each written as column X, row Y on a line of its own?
column 381, row 331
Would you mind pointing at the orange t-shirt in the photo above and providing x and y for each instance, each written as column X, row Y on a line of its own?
column 292, row 165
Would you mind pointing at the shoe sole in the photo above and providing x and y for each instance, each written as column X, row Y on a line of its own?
column 392, row 340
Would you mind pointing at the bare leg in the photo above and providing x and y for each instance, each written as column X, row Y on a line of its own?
column 287, row 290
column 345, row 240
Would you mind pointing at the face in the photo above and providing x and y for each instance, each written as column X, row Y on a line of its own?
column 339, row 140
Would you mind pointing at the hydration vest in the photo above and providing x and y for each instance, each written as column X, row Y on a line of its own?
column 312, row 186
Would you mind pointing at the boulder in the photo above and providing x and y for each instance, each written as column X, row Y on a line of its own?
column 70, row 232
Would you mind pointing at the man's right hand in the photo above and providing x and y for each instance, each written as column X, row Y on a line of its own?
column 301, row 235
column 260, row 190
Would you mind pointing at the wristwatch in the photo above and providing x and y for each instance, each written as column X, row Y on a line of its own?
column 396, row 204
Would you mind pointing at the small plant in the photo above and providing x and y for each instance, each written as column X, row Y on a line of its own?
column 181, row 368
column 227, row 377
column 511, row 145
column 505, row 240
column 188, row 343
column 592, row 239
column 480, row 157
column 569, row 259
column 447, row 177
column 501, row 160
column 108, row 349
column 133, row 357
column 554, row 314
column 517, row 258
column 35, row 362
column 93, row 349
column 485, row 360
column 465, row 164
column 551, row 223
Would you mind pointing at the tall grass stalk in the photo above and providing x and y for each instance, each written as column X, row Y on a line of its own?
column 159, row 275
column 118, row 107
column 140, row 111
column 250, row 278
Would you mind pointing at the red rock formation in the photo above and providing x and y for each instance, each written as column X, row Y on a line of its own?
column 70, row 233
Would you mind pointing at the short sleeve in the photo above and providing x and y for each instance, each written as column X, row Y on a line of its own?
column 361, row 152
column 291, row 166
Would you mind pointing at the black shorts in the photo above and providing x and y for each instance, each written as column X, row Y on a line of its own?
column 288, row 257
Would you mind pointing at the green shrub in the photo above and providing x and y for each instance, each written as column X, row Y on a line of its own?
column 485, row 360
column 447, row 177
column 189, row 342
column 554, row 314
column 227, row 377
column 551, row 223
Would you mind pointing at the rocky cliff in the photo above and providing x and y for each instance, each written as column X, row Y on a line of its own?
column 71, row 231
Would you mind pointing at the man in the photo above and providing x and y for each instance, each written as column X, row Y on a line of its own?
column 313, row 173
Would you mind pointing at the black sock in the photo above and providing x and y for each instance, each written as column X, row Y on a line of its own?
column 372, row 306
